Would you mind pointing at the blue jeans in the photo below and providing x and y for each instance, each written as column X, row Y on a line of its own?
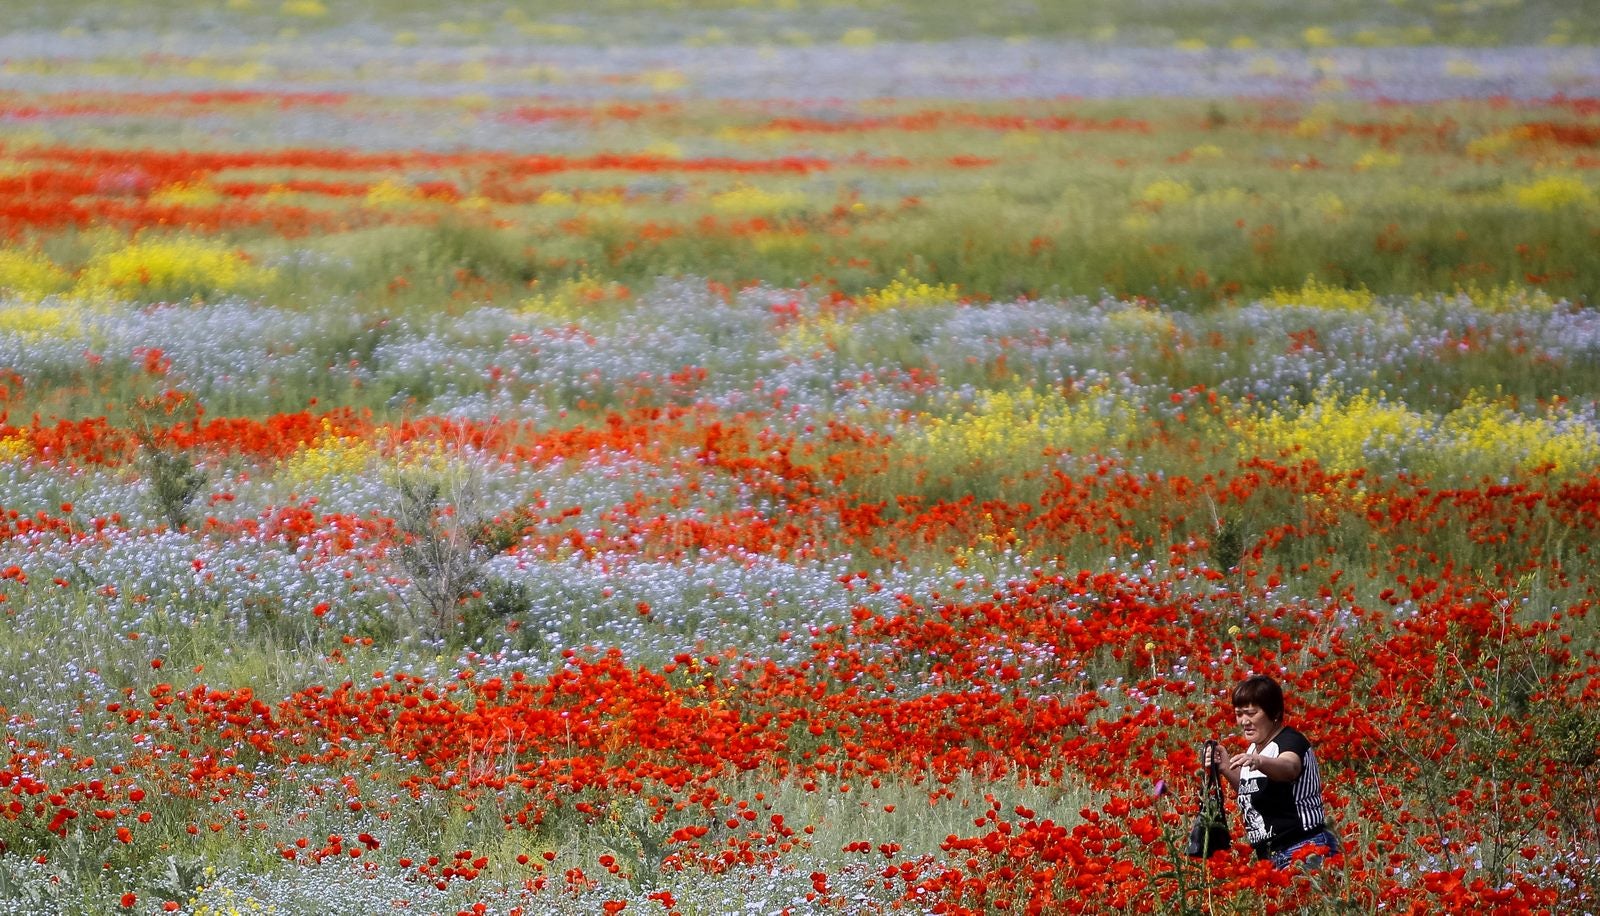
column 1285, row 858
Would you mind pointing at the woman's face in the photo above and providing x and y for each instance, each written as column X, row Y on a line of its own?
column 1254, row 724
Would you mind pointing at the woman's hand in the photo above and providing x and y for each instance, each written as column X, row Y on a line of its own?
column 1228, row 766
column 1285, row 767
column 1225, row 762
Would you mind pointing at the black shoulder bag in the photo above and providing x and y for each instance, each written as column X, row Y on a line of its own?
column 1210, row 831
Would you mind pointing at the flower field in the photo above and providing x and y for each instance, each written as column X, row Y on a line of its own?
column 793, row 457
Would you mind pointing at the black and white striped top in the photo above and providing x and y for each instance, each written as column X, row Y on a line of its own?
column 1280, row 809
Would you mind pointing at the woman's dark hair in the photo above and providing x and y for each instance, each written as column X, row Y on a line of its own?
column 1260, row 691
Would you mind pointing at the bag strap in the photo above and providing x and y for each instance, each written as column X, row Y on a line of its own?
column 1213, row 777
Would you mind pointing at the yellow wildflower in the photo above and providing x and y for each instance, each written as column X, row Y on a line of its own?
column 748, row 199
column 1553, row 193
column 15, row 447
column 1341, row 433
column 1165, row 191
column 171, row 268
column 905, row 290
column 305, row 9
column 331, row 457
column 1315, row 294
column 30, row 276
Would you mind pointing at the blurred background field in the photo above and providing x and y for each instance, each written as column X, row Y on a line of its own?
column 1195, row 177
column 1317, row 23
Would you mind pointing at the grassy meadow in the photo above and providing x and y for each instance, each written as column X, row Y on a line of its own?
column 786, row 456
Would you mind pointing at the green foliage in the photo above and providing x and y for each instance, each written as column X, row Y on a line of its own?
column 437, row 551
column 1227, row 545
column 173, row 476
column 1573, row 734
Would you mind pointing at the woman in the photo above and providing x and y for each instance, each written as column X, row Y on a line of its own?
column 1279, row 787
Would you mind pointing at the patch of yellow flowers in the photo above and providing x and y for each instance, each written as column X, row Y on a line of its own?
column 1337, row 431
column 749, row 200
column 1316, row 294
column 15, row 448
column 1378, row 159
column 332, row 457
column 1027, row 424
column 1508, row 297
column 1554, row 192
column 305, row 9
column 29, row 276
column 1481, row 427
column 828, row 330
column 571, row 300
column 391, row 193
column 907, row 291
column 172, row 268
column 186, row 193
column 1492, row 144
column 1483, row 435
column 40, row 322
column 1164, row 192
